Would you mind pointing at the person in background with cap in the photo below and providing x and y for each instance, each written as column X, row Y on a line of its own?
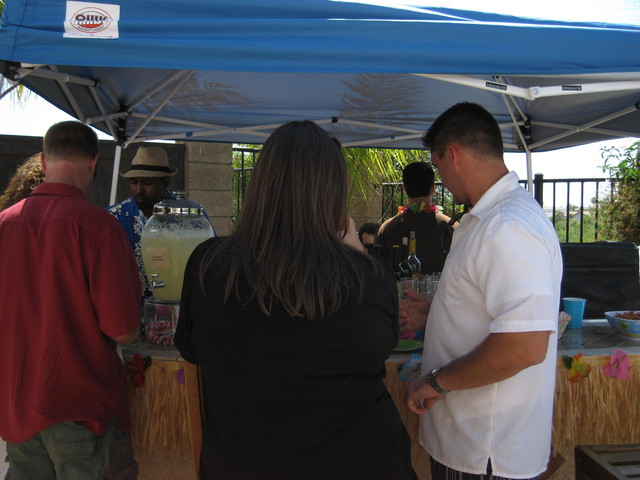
column 149, row 180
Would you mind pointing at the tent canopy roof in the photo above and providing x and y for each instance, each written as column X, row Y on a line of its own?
column 373, row 74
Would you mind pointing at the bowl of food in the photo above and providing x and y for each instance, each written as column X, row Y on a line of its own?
column 625, row 323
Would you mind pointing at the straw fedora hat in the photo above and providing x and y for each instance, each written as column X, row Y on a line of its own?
column 150, row 162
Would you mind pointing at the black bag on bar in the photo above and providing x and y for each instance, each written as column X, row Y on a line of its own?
column 605, row 273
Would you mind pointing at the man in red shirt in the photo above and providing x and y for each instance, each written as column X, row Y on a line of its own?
column 69, row 293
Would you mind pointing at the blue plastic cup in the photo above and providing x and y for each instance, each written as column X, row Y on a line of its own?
column 575, row 307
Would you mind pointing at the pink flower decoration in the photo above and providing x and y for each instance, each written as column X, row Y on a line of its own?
column 619, row 366
column 408, row 335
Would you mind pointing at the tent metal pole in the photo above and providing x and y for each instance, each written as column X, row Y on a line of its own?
column 160, row 86
column 174, row 136
column 178, row 121
column 9, row 90
column 378, row 126
column 532, row 93
column 100, row 106
column 601, row 131
column 529, row 173
column 192, row 135
column 527, row 150
column 159, row 107
column 51, row 74
column 255, row 130
column 587, row 126
column 495, row 86
column 69, row 96
column 580, row 88
column 513, row 102
column 114, row 175
column 108, row 117
column 382, row 140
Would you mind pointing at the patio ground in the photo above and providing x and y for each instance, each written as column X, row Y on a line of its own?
column 3, row 453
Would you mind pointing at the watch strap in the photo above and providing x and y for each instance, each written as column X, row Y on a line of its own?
column 432, row 379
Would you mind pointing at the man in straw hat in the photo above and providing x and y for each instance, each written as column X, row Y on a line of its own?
column 149, row 178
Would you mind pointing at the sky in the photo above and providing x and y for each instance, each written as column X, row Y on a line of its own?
column 608, row 11
column 35, row 115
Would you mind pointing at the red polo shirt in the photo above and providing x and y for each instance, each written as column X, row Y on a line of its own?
column 68, row 282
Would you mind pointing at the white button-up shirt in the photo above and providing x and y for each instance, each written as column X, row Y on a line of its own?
column 502, row 274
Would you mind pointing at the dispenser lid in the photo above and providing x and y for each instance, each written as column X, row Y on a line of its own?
column 178, row 206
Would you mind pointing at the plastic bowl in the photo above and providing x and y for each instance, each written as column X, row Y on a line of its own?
column 622, row 326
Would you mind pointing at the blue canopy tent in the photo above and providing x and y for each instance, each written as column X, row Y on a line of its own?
column 373, row 73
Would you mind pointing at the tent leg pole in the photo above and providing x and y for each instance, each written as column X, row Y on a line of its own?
column 529, row 173
column 114, row 177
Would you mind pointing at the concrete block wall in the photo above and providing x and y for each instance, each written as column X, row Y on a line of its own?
column 209, row 174
column 368, row 210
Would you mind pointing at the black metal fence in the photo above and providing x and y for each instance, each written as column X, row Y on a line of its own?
column 587, row 211
column 572, row 204
column 245, row 159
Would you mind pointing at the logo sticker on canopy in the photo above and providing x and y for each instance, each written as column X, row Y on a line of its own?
column 91, row 20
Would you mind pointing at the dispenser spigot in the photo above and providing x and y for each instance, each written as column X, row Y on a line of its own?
column 155, row 284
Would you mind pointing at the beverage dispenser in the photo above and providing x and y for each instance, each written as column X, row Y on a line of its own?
column 174, row 230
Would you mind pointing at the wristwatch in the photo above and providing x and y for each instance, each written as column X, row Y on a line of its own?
column 431, row 379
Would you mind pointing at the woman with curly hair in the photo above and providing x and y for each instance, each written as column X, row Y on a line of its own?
column 27, row 177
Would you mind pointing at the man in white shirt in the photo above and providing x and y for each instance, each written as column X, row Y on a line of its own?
column 490, row 344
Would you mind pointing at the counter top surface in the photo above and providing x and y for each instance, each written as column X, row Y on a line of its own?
column 594, row 338
column 157, row 352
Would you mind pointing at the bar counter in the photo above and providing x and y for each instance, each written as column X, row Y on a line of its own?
column 596, row 409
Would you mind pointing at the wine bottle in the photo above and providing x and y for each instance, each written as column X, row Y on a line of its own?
column 412, row 259
column 404, row 255
column 396, row 263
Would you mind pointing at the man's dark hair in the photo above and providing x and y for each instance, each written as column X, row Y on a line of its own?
column 418, row 178
column 370, row 227
column 468, row 124
column 70, row 139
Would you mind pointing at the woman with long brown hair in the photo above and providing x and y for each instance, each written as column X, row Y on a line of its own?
column 291, row 324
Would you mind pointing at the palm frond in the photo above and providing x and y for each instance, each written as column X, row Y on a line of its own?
column 370, row 167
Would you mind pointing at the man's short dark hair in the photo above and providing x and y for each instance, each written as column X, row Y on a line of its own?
column 418, row 178
column 468, row 124
column 370, row 227
column 70, row 139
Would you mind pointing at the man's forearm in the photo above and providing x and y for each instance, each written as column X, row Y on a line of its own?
column 500, row 356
